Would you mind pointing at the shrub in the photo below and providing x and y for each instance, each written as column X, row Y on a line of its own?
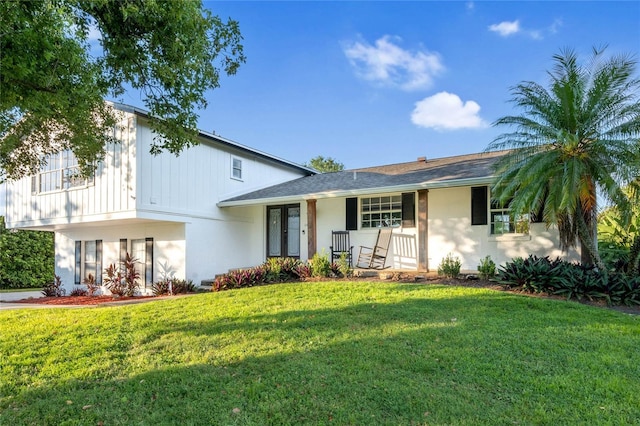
column 26, row 258
column 54, row 288
column 122, row 282
column 534, row 274
column 343, row 267
column 240, row 278
column 78, row 291
column 487, row 268
column 172, row 286
column 573, row 281
column 450, row 266
column 303, row 271
column 92, row 285
column 320, row 265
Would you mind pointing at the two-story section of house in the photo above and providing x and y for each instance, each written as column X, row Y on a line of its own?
column 161, row 209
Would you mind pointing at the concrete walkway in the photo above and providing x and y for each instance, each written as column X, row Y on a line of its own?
column 7, row 298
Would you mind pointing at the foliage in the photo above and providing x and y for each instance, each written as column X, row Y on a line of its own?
column 92, row 285
column 79, row 291
column 54, row 82
column 343, row 268
column 54, row 288
column 450, row 266
column 122, row 281
column 240, row 278
column 487, row 268
column 320, row 265
column 619, row 235
column 171, row 286
column 325, row 165
column 573, row 281
column 26, row 258
column 302, row 354
column 574, row 140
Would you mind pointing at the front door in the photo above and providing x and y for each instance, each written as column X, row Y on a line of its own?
column 283, row 231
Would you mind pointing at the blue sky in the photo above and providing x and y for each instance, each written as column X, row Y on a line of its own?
column 372, row 83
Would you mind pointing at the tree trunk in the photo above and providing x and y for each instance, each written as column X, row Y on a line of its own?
column 587, row 233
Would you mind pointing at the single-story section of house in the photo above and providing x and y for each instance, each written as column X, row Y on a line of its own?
column 435, row 207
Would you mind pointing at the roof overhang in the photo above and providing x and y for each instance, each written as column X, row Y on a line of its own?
column 359, row 192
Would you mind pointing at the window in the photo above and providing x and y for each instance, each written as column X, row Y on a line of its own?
column 59, row 172
column 380, row 212
column 503, row 221
column 142, row 251
column 236, row 168
column 88, row 260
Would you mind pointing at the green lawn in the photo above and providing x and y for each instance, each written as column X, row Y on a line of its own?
column 323, row 353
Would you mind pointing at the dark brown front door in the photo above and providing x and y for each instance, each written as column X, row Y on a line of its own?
column 283, row 231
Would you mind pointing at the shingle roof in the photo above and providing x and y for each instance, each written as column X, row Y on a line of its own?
column 438, row 172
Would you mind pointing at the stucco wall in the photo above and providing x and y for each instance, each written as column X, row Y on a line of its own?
column 450, row 231
column 168, row 239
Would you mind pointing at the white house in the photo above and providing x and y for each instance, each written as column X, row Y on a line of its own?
column 434, row 207
column 221, row 205
column 161, row 209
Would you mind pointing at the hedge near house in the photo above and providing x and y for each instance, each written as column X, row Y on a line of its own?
column 26, row 258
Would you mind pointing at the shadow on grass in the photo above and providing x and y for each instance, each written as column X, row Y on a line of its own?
column 427, row 355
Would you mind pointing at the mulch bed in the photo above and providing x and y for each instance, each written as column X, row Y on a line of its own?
column 80, row 300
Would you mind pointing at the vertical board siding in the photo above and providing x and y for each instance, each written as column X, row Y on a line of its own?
column 112, row 190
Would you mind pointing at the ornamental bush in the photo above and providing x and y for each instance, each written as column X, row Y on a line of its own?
column 571, row 280
column 26, row 258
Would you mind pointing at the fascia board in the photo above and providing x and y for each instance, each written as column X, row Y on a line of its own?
column 359, row 192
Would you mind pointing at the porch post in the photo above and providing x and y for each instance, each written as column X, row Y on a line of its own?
column 311, row 228
column 423, row 230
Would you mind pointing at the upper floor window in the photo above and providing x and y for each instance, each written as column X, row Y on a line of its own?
column 380, row 212
column 503, row 221
column 59, row 172
column 236, row 168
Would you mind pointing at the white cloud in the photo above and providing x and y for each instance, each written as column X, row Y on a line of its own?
column 506, row 28
column 446, row 111
column 388, row 64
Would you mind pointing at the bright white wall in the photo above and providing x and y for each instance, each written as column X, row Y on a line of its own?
column 215, row 246
column 192, row 183
column 450, row 231
column 112, row 194
column 168, row 239
column 331, row 216
column 3, row 188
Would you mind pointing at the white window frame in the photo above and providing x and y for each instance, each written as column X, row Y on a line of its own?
column 236, row 168
column 503, row 222
column 381, row 211
column 60, row 172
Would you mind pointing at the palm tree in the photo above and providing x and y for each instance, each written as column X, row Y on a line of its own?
column 573, row 143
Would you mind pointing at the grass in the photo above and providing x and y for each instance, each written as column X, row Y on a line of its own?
column 323, row 353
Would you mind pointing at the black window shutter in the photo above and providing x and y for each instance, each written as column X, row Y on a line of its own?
column 409, row 209
column 352, row 214
column 148, row 261
column 78, row 270
column 123, row 250
column 98, row 261
column 479, row 205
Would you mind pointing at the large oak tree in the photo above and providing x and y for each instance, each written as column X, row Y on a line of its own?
column 53, row 87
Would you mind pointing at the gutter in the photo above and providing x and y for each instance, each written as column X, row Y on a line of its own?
column 358, row 192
